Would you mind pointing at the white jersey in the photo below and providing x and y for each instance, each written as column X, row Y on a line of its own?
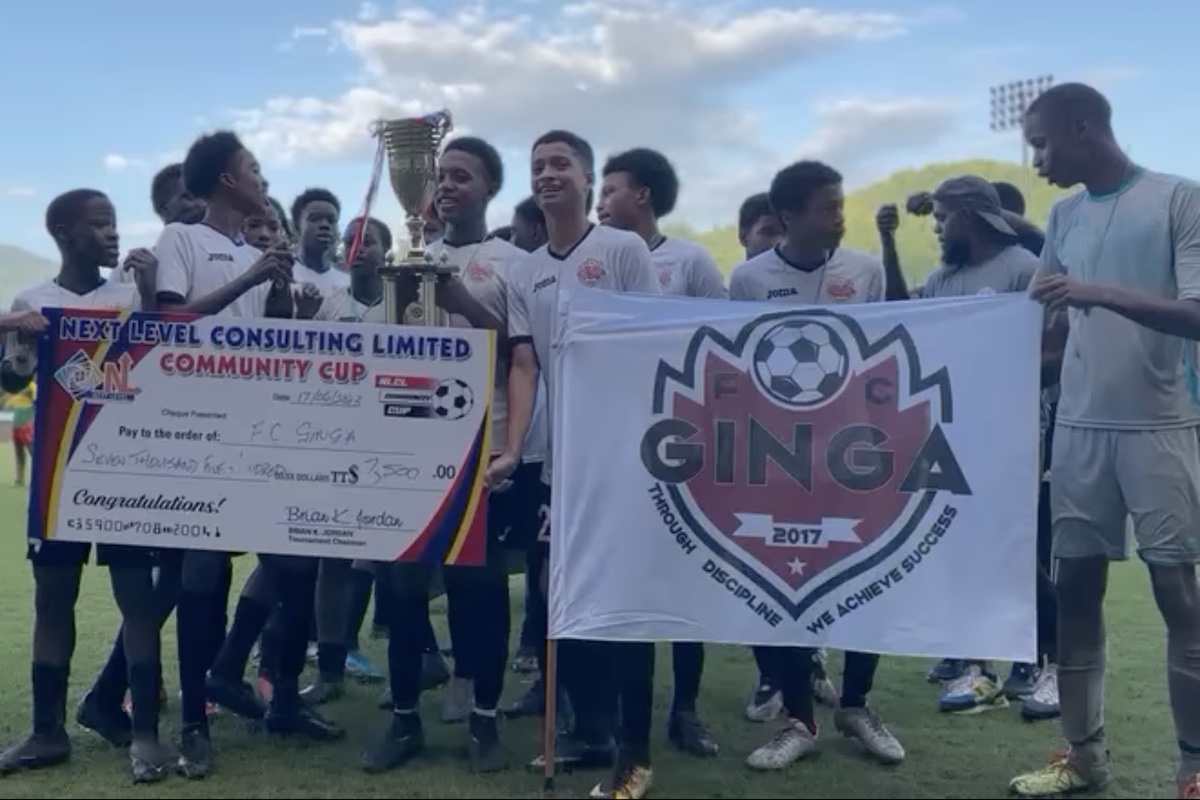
column 327, row 282
column 483, row 267
column 118, row 275
column 108, row 295
column 605, row 258
column 194, row 261
column 847, row 276
column 340, row 305
column 686, row 268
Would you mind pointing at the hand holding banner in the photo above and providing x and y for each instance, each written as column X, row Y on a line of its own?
column 861, row 477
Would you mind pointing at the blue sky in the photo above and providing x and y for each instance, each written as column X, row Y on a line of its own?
column 729, row 90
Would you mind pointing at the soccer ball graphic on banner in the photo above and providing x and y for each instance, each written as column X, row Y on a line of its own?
column 801, row 362
column 452, row 399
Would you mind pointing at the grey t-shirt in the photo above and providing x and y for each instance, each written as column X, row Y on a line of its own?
column 1010, row 270
column 1144, row 238
column 848, row 276
column 606, row 258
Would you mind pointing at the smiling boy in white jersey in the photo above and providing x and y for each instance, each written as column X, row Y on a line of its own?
column 640, row 189
column 1121, row 260
column 83, row 225
column 469, row 175
column 578, row 254
column 809, row 267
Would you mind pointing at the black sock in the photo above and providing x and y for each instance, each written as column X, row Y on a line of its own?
column 144, row 680
column 361, row 582
column 687, row 661
column 49, row 698
column 331, row 661
column 217, row 613
column 193, row 622
column 296, row 614
column 113, row 680
column 249, row 620
column 380, row 617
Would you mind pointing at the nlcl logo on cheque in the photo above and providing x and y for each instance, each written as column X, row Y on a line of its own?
column 82, row 378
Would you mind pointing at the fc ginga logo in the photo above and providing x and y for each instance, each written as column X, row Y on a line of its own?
column 803, row 455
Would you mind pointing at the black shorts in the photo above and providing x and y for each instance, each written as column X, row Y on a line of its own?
column 60, row 553
column 520, row 517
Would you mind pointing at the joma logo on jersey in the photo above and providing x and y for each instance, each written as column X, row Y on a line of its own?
column 801, row 453
column 774, row 294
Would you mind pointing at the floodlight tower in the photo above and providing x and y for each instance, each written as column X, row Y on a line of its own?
column 1009, row 103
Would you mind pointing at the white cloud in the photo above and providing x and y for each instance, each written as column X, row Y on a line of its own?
column 621, row 73
column 115, row 162
column 309, row 31
column 852, row 130
column 850, row 134
column 19, row 191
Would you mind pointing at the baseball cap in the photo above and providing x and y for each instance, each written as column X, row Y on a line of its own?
column 972, row 193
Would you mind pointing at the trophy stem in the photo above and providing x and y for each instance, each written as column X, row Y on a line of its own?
column 393, row 309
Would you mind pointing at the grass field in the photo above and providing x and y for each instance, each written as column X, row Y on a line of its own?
column 947, row 756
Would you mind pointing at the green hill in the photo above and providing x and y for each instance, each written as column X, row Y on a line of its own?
column 20, row 269
column 915, row 240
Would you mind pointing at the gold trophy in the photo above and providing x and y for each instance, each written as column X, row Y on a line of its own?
column 412, row 147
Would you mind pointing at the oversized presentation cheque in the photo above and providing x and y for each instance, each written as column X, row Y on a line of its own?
column 261, row 435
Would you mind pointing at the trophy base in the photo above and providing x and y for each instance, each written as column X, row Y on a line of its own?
column 426, row 273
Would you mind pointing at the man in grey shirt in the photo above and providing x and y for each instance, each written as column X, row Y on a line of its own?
column 1122, row 259
column 980, row 250
column 982, row 254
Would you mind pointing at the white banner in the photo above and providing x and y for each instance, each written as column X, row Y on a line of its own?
column 861, row 477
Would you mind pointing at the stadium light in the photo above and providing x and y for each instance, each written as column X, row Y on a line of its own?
column 1009, row 102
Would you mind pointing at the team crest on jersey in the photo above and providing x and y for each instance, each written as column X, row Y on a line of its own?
column 480, row 270
column 590, row 272
column 803, row 453
column 664, row 277
column 840, row 289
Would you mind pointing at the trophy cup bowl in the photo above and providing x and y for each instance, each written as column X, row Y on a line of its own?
column 412, row 146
